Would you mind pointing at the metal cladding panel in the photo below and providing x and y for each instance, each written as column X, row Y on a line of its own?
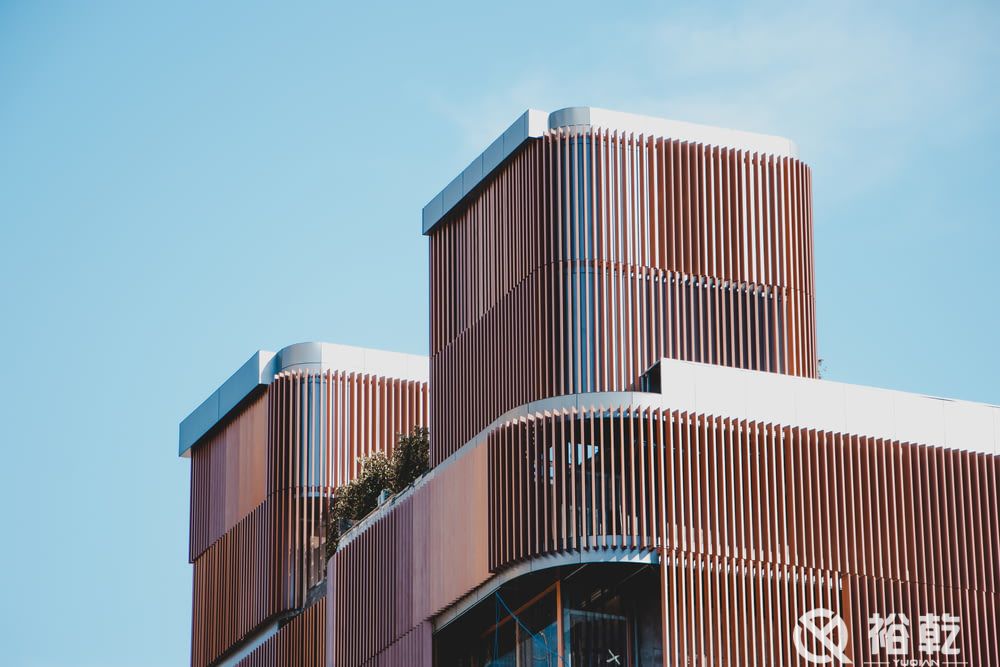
column 237, row 586
column 753, row 522
column 460, row 493
column 261, row 368
column 319, row 424
column 228, row 473
column 289, row 451
column 323, row 423
column 414, row 649
column 217, row 407
column 652, row 478
column 299, row 643
column 531, row 123
column 756, row 523
column 592, row 254
column 386, row 582
column 724, row 611
column 263, row 568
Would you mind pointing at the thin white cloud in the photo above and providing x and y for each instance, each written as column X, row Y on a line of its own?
column 829, row 72
column 857, row 86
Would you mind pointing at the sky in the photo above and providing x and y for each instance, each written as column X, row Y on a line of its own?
column 183, row 183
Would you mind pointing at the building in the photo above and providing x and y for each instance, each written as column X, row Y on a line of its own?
column 633, row 459
column 267, row 449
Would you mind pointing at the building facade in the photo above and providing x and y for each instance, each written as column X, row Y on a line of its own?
column 267, row 450
column 633, row 460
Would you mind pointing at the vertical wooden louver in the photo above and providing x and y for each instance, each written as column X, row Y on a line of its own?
column 300, row 643
column 228, row 475
column 582, row 260
column 386, row 584
column 591, row 255
column 651, row 478
column 585, row 257
column 261, row 485
column 754, row 524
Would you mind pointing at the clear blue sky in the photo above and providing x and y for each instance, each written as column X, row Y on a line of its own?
column 183, row 183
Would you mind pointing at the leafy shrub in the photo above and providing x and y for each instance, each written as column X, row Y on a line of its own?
column 354, row 500
column 410, row 458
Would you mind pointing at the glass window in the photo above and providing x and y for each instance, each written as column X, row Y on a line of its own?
column 607, row 614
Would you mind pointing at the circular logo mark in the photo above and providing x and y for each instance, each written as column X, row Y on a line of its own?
column 829, row 633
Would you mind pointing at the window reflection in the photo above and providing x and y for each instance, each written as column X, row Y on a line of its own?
column 527, row 635
column 596, row 614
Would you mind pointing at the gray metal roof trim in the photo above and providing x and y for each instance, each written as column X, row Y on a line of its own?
column 534, row 123
column 262, row 367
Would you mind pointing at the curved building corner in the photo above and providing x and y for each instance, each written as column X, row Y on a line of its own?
column 633, row 460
